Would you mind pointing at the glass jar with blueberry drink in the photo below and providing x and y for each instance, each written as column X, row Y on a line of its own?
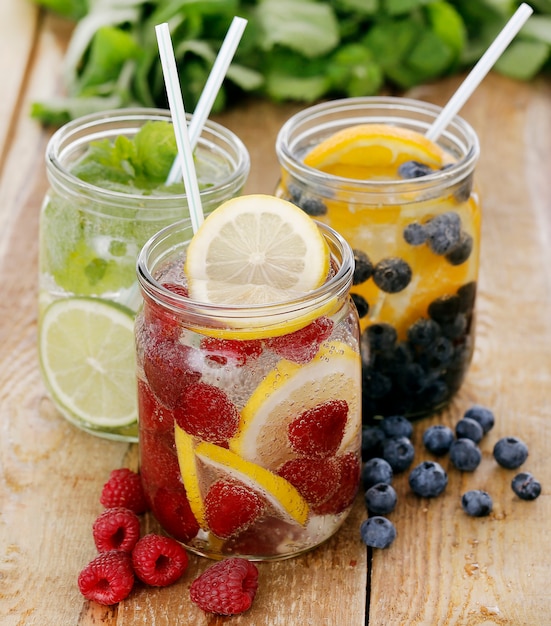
column 408, row 208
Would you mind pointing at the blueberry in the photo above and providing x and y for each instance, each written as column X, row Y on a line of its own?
column 392, row 274
column 380, row 499
column 376, row 470
column 377, row 532
column 396, row 426
column 381, row 336
column 438, row 354
column 423, row 332
column 455, row 328
column 465, row 455
column 510, row 452
column 375, row 384
column 414, row 169
column 313, row 206
column 363, row 268
column 526, row 486
column 362, row 306
column 428, row 479
column 295, row 193
column 445, row 309
column 469, row 429
column 415, row 234
column 372, row 441
column 444, row 232
column 482, row 415
column 466, row 294
column 399, row 453
column 438, row 439
column 462, row 251
column 476, row 503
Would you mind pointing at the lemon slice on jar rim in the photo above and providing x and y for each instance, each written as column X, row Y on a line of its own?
column 335, row 372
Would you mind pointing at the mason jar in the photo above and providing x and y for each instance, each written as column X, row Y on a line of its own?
column 107, row 197
column 410, row 211
column 223, row 392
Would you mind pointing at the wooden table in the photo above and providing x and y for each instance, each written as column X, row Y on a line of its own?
column 444, row 567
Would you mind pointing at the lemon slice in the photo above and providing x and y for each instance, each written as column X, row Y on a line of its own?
column 278, row 491
column 88, row 360
column 373, row 151
column 335, row 372
column 256, row 250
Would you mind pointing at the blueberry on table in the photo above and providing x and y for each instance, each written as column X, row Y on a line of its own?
column 428, row 479
column 482, row 415
column 526, row 486
column 465, row 455
column 444, row 232
column 469, row 429
column 380, row 499
column 376, row 471
column 414, row 169
column 477, row 503
column 415, row 234
column 510, row 452
column 377, row 532
column 392, row 274
column 398, row 452
column 396, row 426
column 438, row 439
column 363, row 267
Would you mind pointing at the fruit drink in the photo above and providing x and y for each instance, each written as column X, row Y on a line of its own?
column 408, row 208
column 249, row 414
column 107, row 197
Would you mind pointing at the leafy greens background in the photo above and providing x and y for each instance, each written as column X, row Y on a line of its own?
column 299, row 50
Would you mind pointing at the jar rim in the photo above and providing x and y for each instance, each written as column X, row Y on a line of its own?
column 299, row 127
column 149, row 258
column 113, row 117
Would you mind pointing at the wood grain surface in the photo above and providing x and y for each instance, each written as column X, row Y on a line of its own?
column 444, row 568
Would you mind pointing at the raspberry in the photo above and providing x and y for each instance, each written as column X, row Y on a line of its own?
column 158, row 461
column 173, row 512
column 231, row 352
column 226, row 588
column 349, row 482
column 318, row 432
column 302, row 345
column 124, row 488
column 315, row 479
column 231, row 507
column 168, row 368
column 176, row 288
column 116, row 529
column 206, row 411
column 108, row 578
column 159, row 561
column 153, row 415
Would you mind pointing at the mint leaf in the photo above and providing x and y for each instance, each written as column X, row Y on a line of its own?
column 353, row 71
column 155, row 151
column 447, row 23
column 400, row 7
column 523, row 59
column 304, row 26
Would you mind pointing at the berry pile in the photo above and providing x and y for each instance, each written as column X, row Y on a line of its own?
column 226, row 588
column 387, row 450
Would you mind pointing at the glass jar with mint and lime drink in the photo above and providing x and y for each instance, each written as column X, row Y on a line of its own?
column 108, row 195
column 408, row 207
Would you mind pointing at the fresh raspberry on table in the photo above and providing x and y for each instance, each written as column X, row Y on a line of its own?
column 315, row 479
column 231, row 507
column 230, row 351
column 159, row 561
column 108, row 578
column 124, row 488
column 117, row 528
column 302, row 345
column 173, row 512
column 205, row 411
column 227, row 587
column 318, row 432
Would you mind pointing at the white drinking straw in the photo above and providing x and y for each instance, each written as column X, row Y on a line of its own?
column 176, row 103
column 212, row 86
column 479, row 71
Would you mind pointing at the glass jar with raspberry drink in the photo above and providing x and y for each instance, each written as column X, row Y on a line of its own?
column 249, row 381
column 408, row 208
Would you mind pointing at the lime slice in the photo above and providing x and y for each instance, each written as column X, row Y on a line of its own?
column 334, row 373
column 88, row 359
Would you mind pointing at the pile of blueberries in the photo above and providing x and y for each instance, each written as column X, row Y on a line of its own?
column 387, row 450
